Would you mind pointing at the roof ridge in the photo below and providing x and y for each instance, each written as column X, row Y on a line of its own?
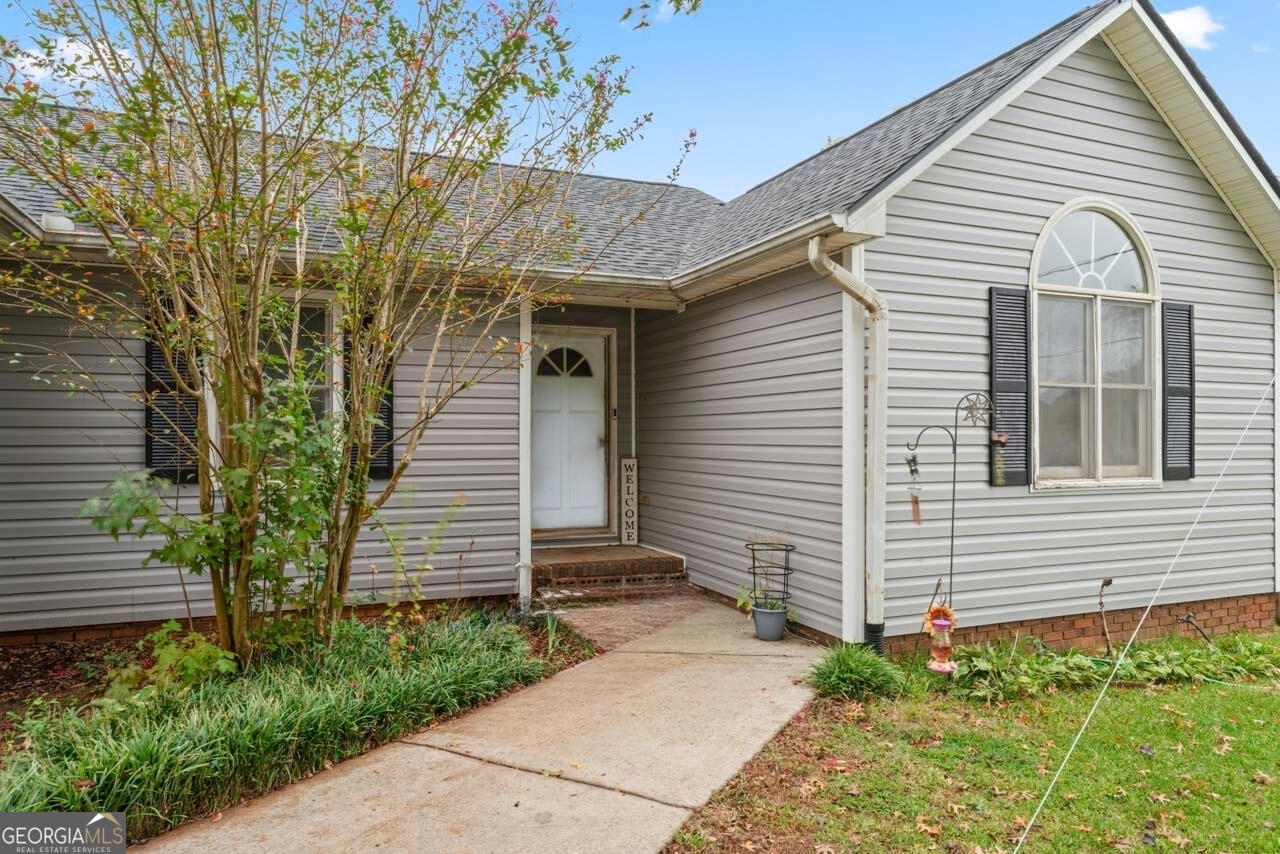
column 647, row 181
column 87, row 111
column 971, row 72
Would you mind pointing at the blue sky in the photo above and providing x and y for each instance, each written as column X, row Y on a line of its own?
column 767, row 83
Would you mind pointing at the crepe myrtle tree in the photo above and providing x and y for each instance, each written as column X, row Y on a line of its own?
column 226, row 163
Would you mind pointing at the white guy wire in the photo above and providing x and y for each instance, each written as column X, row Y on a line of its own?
column 1133, row 637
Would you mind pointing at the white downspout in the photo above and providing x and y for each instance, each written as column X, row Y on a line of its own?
column 524, row 554
column 877, row 430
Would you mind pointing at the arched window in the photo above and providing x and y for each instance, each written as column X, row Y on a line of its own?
column 564, row 362
column 1095, row 296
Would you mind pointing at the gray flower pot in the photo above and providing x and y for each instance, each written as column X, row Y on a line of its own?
column 770, row 623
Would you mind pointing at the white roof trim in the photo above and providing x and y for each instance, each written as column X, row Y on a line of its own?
column 1218, row 122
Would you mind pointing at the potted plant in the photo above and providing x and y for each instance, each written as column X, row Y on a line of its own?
column 770, row 592
column 768, row 613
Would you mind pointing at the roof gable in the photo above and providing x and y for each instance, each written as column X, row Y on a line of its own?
column 1174, row 84
column 841, row 176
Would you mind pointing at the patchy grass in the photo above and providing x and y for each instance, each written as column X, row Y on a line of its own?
column 1175, row 767
column 164, row 756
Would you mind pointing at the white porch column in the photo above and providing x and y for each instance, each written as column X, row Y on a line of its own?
column 524, row 566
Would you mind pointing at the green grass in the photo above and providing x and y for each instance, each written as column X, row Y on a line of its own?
column 1192, row 766
column 167, row 756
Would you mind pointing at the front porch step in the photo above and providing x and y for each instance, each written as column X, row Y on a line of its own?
column 570, row 576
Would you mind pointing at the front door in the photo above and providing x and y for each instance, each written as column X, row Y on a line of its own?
column 570, row 445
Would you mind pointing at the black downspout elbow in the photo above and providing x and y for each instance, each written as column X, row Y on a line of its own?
column 874, row 634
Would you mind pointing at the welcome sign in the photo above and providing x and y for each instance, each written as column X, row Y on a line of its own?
column 630, row 503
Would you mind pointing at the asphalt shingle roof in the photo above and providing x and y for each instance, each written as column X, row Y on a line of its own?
column 841, row 176
column 672, row 229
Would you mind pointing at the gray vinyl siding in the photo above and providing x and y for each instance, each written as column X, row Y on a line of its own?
column 740, row 435
column 59, row 450
column 971, row 221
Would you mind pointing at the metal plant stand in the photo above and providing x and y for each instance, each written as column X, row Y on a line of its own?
column 770, row 588
column 974, row 408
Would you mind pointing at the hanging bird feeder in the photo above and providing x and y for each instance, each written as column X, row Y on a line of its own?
column 939, row 621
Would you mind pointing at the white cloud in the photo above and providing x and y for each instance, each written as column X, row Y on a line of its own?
column 51, row 66
column 1261, row 47
column 666, row 11
column 1193, row 26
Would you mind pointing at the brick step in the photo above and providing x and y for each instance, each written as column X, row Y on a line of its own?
column 589, row 590
column 589, row 567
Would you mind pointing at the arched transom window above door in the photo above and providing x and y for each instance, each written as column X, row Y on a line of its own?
column 564, row 362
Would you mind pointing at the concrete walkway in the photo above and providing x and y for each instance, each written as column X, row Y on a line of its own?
column 609, row 756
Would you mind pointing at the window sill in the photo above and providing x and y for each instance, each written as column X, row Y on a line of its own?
column 1078, row 486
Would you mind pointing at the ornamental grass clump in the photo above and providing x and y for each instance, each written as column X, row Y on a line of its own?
column 165, row 755
column 856, row 672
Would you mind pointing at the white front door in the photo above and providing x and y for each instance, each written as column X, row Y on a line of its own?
column 570, row 445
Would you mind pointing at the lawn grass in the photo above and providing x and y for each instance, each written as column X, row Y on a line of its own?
column 170, row 755
column 1190, row 767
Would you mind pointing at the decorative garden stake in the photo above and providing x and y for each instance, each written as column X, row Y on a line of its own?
column 974, row 408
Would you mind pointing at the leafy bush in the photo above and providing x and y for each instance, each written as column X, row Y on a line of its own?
column 999, row 671
column 178, row 659
column 855, row 671
column 166, row 754
column 1003, row 671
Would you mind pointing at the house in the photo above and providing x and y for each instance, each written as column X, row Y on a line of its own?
column 1078, row 228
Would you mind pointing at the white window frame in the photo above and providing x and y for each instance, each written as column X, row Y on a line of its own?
column 1040, row 480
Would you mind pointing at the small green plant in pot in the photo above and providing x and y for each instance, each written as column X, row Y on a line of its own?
column 770, row 582
column 767, row 611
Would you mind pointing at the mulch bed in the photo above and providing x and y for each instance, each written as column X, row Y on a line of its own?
column 64, row 670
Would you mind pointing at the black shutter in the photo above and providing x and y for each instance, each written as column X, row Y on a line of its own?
column 1179, row 336
column 1010, row 385
column 381, row 461
column 172, row 420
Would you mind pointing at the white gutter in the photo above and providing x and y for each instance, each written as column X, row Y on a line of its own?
column 819, row 225
column 877, row 432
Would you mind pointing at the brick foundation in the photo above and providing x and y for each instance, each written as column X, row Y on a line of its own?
column 1216, row 616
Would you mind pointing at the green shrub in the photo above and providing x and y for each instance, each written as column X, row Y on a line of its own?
column 856, row 672
column 165, row 754
column 1002, row 671
column 178, row 659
